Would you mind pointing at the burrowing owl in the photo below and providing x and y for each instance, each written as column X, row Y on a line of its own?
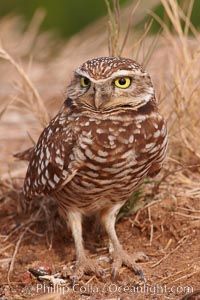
column 106, row 138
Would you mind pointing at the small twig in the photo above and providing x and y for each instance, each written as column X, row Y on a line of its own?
column 189, row 209
column 173, row 275
column 151, row 226
column 11, row 283
column 151, row 204
column 168, row 173
column 188, row 216
column 136, row 217
column 17, row 228
column 2, row 250
column 51, row 296
column 91, row 279
column 35, row 233
column 180, row 243
column 168, row 244
column 5, row 260
column 184, row 277
column 15, row 253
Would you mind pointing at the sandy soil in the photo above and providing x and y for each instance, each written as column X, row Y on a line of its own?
column 169, row 238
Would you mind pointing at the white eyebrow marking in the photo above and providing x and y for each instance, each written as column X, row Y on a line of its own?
column 113, row 75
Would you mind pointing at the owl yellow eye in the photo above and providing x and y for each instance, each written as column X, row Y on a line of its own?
column 85, row 82
column 123, row 82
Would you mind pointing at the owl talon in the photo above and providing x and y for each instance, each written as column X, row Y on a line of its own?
column 86, row 266
column 122, row 258
column 114, row 273
column 141, row 274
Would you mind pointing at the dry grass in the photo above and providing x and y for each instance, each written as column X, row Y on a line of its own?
column 33, row 101
column 184, row 72
column 33, row 77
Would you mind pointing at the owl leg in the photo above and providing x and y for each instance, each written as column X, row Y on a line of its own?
column 84, row 265
column 118, row 254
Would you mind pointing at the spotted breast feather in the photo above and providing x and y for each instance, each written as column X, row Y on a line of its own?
column 116, row 152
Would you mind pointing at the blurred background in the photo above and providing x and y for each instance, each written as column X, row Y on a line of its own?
column 42, row 42
column 69, row 17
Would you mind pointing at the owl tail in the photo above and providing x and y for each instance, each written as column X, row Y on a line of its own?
column 25, row 155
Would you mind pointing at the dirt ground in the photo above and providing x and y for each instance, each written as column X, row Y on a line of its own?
column 165, row 223
column 169, row 239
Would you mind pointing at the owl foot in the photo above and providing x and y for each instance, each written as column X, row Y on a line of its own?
column 86, row 266
column 120, row 258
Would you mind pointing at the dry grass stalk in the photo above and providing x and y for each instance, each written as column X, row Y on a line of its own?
column 190, row 210
column 5, row 108
column 165, row 279
column 36, row 105
column 116, row 46
column 187, row 276
column 129, row 27
column 51, row 296
column 114, row 27
column 14, row 255
column 185, row 76
column 139, row 44
column 188, row 216
column 179, row 244
column 18, row 173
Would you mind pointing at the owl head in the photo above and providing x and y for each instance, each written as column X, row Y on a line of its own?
column 108, row 84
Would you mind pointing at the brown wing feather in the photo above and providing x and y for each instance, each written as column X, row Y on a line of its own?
column 25, row 155
column 162, row 141
column 52, row 163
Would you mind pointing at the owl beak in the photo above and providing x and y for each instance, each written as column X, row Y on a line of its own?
column 98, row 101
column 100, row 97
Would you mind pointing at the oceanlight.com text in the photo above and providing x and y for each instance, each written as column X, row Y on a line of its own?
column 115, row 288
